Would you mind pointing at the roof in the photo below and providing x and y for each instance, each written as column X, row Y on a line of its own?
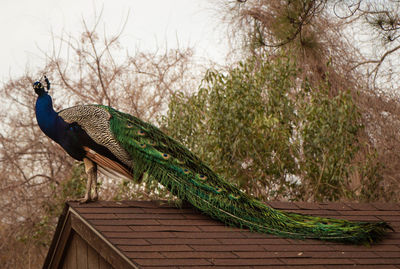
column 156, row 234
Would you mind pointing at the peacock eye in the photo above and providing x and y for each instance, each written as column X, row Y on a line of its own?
column 165, row 156
column 37, row 85
column 186, row 171
column 141, row 132
column 142, row 145
column 202, row 177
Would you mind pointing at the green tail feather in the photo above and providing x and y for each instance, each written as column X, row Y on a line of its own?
column 187, row 177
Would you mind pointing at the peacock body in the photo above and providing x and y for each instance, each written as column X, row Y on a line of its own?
column 121, row 144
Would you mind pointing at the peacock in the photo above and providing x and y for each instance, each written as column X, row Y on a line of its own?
column 119, row 144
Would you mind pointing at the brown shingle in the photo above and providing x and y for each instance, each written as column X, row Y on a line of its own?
column 166, row 210
column 334, row 206
column 364, row 266
column 388, row 254
column 117, row 222
column 155, row 216
column 199, row 254
column 93, row 216
column 386, row 206
column 248, row 241
column 184, row 241
column 390, row 218
column 395, row 261
column 297, row 247
column 156, row 248
column 132, row 234
column 244, row 262
column 307, row 206
column 370, row 213
column 268, row 254
column 316, row 261
column 159, row 228
column 172, row 262
column 342, row 254
column 217, row 247
column 110, row 228
column 216, row 235
column 129, row 242
column 376, row 247
column 159, row 235
column 217, row 228
column 188, row 222
column 112, row 210
column 361, row 206
column 144, row 255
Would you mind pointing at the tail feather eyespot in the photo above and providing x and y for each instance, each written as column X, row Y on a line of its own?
column 165, row 156
column 142, row 145
column 201, row 177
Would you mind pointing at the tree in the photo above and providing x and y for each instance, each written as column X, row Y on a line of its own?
column 315, row 34
column 271, row 137
column 319, row 30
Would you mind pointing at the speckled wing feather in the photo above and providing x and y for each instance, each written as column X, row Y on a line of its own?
column 95, row 121
column 187, row 177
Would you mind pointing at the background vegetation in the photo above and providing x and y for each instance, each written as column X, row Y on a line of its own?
column 303, row 111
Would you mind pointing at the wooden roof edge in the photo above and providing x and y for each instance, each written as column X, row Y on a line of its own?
column 61, row 225
column 72, row 221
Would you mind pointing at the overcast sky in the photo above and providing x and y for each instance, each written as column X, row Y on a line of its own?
column 26, row 27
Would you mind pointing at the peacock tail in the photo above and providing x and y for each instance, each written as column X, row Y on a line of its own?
column 190, row 179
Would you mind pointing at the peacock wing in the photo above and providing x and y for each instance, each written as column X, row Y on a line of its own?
column 95, row 121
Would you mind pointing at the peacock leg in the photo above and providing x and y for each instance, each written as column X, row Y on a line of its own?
column 91, row 171
column 95, row 195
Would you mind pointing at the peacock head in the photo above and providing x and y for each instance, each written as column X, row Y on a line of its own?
column 38, row 86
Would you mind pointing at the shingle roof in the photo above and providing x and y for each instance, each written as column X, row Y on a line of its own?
column 156, row 234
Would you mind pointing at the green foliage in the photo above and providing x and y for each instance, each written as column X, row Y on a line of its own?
column 328, row 128
column 270, row 136
column 241, row 123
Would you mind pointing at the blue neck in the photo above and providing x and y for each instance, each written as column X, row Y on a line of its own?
column 47, row 118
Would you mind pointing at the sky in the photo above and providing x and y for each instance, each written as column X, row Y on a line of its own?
column 27, row 27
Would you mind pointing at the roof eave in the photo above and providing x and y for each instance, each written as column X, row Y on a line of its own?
column 72, row 221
